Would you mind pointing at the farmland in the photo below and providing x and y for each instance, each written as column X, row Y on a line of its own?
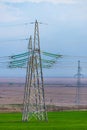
column 69, row 120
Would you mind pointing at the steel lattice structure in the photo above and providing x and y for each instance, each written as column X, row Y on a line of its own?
column 34, row 99
column 78, row 75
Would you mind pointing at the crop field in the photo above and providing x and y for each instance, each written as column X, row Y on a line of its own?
column 69, row 120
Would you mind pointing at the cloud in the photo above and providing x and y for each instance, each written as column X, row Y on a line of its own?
column 8, row 13
column 38, row 1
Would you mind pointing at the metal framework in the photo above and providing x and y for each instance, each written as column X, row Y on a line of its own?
column 34, row 99
column 78, row 75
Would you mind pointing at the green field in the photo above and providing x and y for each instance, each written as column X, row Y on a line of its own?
column 71, row 120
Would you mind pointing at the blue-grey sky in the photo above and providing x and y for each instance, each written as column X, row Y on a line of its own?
column 66, row 32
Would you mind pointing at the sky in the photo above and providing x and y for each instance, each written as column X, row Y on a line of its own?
column 65, row 33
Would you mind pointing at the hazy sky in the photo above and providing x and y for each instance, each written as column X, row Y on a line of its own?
column 66, row 32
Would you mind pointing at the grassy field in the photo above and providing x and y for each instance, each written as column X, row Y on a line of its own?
column 72, row 120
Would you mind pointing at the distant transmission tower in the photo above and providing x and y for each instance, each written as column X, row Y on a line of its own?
column 34, row 99
column 25, row 114
column 78, row 75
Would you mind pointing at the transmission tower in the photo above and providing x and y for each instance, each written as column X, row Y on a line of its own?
column 34, row 99
column 27, row 83
column 78, row 75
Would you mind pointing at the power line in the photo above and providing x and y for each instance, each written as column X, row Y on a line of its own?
column 12, row 40
column 74, row 56
column 4, row 57
column 15, row 24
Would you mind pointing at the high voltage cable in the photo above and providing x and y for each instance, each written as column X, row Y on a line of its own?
column 25, row 39
column 20, row 55
column 18, row 61
column 51, row 54
column 23, row 62
column 26, row 60
column 48, row 61
column 73, row 56
column 16, row 24
column 21, row 59
column 17, row 66
column 15, row 56
column 27, row 53
column 20, row 24
column 4, row 57
column 44, row 53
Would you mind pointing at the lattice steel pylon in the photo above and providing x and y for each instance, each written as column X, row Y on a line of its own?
column 34, row 99
column 78, row 75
